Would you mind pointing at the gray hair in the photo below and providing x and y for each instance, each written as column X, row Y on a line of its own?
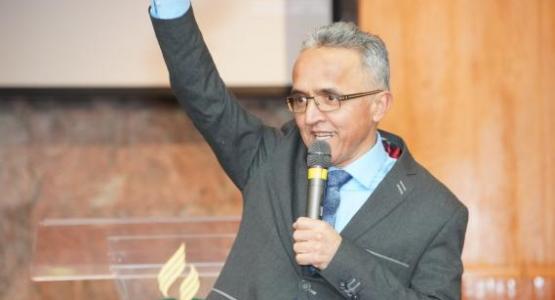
column 348, row 35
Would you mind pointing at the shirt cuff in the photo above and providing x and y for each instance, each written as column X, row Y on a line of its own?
column 169, row 9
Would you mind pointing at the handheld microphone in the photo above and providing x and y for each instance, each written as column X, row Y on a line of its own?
column 318, row 161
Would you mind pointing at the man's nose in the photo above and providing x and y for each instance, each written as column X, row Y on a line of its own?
column 312, row 114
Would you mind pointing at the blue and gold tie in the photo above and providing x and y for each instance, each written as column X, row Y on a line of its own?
column 336, row 179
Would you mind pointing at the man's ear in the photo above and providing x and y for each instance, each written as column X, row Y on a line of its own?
column 381, row 105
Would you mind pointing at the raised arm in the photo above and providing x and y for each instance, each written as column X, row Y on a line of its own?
column 239, row 140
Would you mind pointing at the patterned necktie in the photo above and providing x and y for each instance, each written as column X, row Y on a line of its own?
column 336, row 179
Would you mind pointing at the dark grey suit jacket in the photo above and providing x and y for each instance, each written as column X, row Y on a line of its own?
column 404, row 243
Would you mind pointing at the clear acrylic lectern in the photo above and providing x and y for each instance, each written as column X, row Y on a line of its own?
column 131, row 251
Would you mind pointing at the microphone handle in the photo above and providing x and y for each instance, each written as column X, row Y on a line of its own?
column 317, row 179
column 316, row 188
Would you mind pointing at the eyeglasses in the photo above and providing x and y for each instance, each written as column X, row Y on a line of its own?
column 298, row 104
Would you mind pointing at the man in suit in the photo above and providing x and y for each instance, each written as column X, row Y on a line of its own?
column 390, row 230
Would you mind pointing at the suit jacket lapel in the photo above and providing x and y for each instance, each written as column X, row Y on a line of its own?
column 290, row 203
column 301, row 191
column 387, row 196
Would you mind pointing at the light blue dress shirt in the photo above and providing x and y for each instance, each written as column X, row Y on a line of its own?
column 367, row 172
column 169, row 9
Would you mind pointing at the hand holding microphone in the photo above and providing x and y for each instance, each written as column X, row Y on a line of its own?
column 315, row 241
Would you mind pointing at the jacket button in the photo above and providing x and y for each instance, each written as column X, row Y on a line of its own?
column 305, row 285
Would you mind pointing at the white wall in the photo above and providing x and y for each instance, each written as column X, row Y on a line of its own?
column 79, row 43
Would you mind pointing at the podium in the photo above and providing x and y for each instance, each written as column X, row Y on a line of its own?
column 131, row 252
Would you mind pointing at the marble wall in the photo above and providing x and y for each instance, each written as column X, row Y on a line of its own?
column 101, row 156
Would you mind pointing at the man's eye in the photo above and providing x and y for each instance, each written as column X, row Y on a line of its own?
column 299, row 99
column 332, row 98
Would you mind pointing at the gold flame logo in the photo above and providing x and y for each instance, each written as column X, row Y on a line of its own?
column 172, row 270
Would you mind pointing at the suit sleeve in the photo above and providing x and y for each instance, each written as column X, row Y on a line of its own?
column 356, row 273
column 239, row 140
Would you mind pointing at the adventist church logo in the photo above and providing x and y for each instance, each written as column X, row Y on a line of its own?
column 172, row 271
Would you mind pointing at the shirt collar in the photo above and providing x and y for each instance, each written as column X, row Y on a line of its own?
column 365, row 168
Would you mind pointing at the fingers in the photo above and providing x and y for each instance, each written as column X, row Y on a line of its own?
column 308, row 253
column 304, row 259
column 306, row 247
column 307, row 259
column 315, row 242
column 307, row 223
column 307, row 235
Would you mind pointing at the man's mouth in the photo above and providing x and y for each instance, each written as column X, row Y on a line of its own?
column 322, row 135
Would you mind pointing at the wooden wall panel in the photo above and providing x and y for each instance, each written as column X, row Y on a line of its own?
column 474, row 83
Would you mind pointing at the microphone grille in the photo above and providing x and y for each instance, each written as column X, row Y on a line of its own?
column 319, row 154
